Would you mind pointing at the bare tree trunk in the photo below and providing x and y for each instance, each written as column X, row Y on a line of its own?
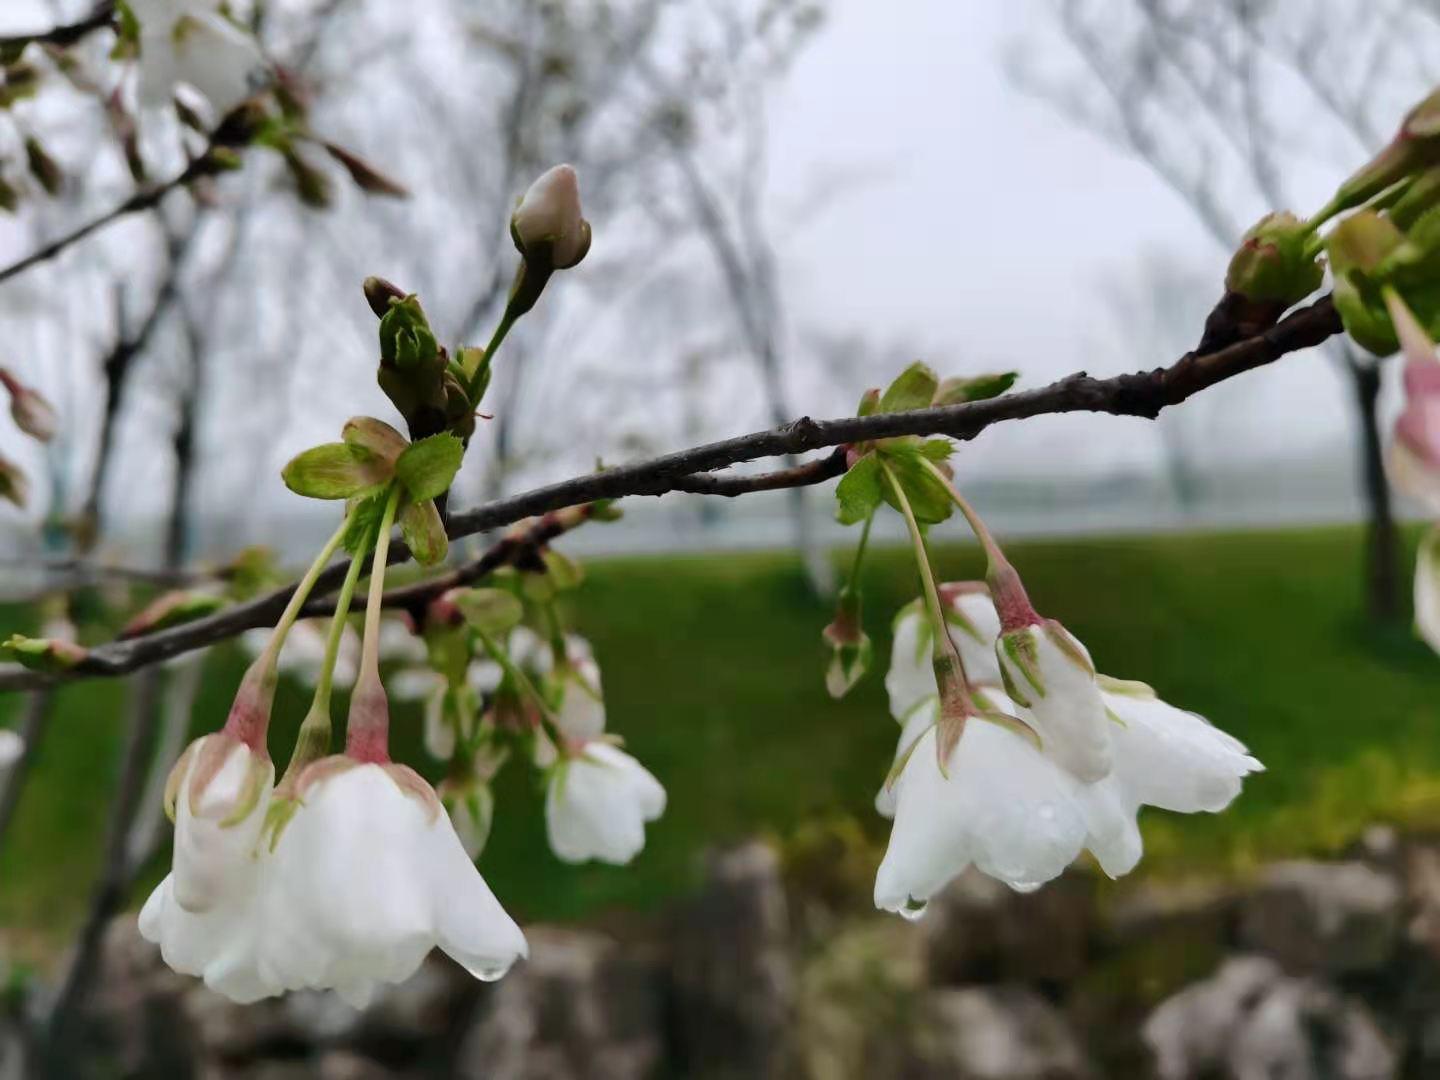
column 1382, row 540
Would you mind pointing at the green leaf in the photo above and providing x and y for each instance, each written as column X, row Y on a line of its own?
column 335, row 471
column 428, row 467
column 424, row 532
column 869, row 402
column 937, row 450
column 860, row 490
column 929, row 500
column 956, row 390
column 491, row 611
column 913, row 388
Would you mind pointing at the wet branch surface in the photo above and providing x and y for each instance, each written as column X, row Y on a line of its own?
column 1139, row 394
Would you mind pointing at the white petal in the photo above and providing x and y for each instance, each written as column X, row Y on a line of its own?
column 1063, row 698
column 413, row 684
column 12, row 746
column 580, row 714
column 1173, row 759
column 597, row 805
column 1004, row 807
column 439, row 728
column 213, row 858
column 911, row 678
column 921, row 718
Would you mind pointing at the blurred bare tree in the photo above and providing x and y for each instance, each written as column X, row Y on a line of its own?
column 1213, row 94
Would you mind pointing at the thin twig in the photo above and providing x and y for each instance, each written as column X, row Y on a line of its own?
column 148, row 198
column 1142, row 394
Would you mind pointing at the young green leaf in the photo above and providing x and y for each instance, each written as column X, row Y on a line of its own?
column 362, row 520
column 927, row 496
column 860, row 490
column 334, row 471
column 959, row 389
column 427, row 467
column 491, row 611
column 913, row 388
column 424, row 532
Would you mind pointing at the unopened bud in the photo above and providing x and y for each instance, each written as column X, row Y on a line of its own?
column 32, row 413
column 1358, row 247
column 49, row 655
column 1415, row 146
column 172, row 609
column 379, row 293
column 1415, row 453
column 547, row 225
column 1272, row 265
column 365, row 176
column 851, row 649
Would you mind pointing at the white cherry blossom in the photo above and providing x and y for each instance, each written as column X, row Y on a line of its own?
column 597, row 804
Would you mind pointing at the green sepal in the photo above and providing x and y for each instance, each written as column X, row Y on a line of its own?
column 869, row 402
column 405, row 335
column 1021, row 649
column 1132, row 688
column 424, row 532
column 428, row 467
column 959, row 389
column 491, row 611
column 929, row 500
column 913, row 388
column 362, row 521
column 278, row 815
column 335, row 471
column 860, row 490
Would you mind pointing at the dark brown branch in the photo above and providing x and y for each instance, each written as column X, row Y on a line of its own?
column 1142, row 394
column 100, row 18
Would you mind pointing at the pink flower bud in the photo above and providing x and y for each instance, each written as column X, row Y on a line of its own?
column 548, row 224
column 1415, row 452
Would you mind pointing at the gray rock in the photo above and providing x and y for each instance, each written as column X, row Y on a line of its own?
column 581, row 1006
column 978, row 930
column 1335, row 918
column 1189, row 1033
column 733, row 975
column 991, row 1033
column 1250, row 1021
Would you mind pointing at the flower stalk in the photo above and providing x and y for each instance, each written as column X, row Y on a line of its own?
column 367, row 736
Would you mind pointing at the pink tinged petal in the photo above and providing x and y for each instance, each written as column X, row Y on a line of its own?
column 1414, row 475
column 214, row 852
column 1175, row 760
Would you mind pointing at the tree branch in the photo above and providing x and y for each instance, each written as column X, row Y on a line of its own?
column 1142, row 394
column 101, row 17
column 205, row 165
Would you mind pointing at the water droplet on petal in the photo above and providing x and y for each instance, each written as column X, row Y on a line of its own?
column 1024, row 886
column 490, row 972
column 914, row 910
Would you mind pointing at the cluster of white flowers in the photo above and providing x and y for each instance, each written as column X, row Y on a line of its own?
column 191, row 43
column 1017, row 811
column 346, row 886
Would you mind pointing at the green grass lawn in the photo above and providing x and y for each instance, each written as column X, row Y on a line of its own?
column 713, row 674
